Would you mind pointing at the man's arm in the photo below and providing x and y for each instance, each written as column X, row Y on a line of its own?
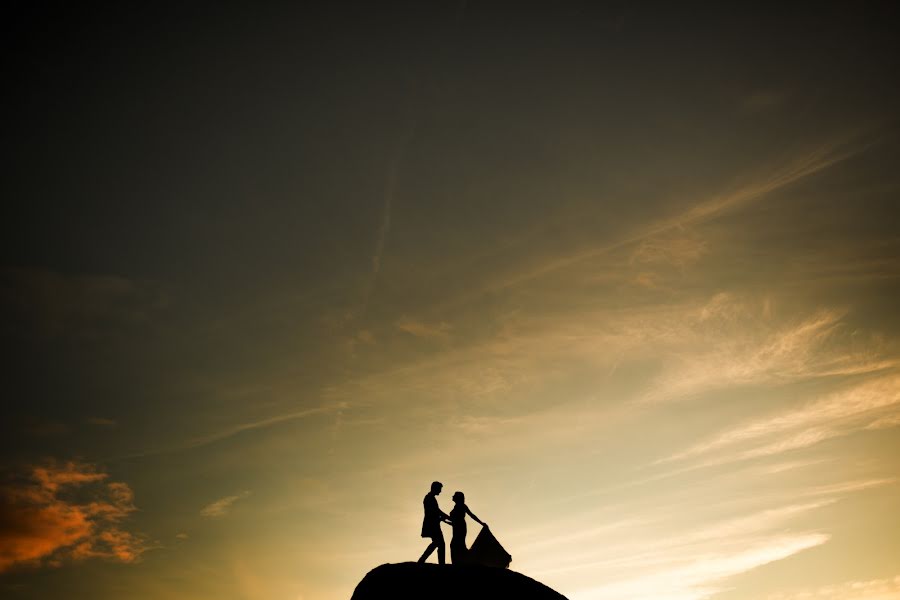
column 432, row 508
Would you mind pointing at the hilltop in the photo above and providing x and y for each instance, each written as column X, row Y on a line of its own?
column 414, row 581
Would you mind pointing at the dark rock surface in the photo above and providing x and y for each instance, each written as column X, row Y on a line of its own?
column 408, row 581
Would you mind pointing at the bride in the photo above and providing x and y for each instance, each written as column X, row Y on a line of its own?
column 458, row 548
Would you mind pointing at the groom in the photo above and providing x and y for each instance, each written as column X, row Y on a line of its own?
column 431, row 524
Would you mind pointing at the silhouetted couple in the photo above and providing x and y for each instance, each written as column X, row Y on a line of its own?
column 431, row 525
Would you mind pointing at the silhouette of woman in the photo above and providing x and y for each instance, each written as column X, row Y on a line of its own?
column 458, row 548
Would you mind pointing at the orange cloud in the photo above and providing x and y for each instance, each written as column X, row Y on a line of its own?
column 65, row 512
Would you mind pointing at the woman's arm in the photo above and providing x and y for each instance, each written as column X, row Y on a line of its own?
column 471, row 514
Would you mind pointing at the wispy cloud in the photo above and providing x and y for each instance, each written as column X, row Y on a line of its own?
column 762, row 100
column 679, row 251
column 384, row 227
column 390, row 192
column 421, row 329
column 641, row 562
column 701, row 576
column 56, row 304
column 805, row 165
column 729, row 342
column 42, row 524
column 260, row 424
column 48, row 429
column 839, row 413
column 239, row 428
column 871, row 589
column 222, row 506
column 700, row 346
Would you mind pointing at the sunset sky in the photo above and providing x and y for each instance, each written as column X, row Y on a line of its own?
column 626, row 274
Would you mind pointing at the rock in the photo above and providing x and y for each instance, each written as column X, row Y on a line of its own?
column 409, row 581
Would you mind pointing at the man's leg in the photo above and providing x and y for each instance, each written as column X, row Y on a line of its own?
column 437, row 543
column 427, row 552
column 441, row 547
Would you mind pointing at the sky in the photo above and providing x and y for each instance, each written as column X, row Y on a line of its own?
column 626, row 274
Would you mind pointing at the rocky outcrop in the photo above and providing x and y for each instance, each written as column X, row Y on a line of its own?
column 409, row 581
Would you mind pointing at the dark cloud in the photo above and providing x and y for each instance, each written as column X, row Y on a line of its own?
column 49, row 429
column 54, row 304
column 58, row 513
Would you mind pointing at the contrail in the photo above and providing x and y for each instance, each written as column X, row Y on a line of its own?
column 394, row 167
column 235, row 430
column 390, row 190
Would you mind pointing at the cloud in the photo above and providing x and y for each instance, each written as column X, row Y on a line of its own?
column 66, row 512
column 678, row 251
column 260, row 424
column 390, row 191
column 234, row 430
column 762, row 100
column 421, row 329
column 839, row 413
column 801, row 167
column 700, row 576
column 872, row 589
column 643, row 561
column 698, row 346
column 885, row 422
column 49, row 429
column 729, row 342
column 52, row 428
column 366, row 337
column 385, row 226
column 55, row 304
column 220, row 507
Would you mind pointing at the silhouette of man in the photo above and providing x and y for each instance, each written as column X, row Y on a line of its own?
column 431, row 524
